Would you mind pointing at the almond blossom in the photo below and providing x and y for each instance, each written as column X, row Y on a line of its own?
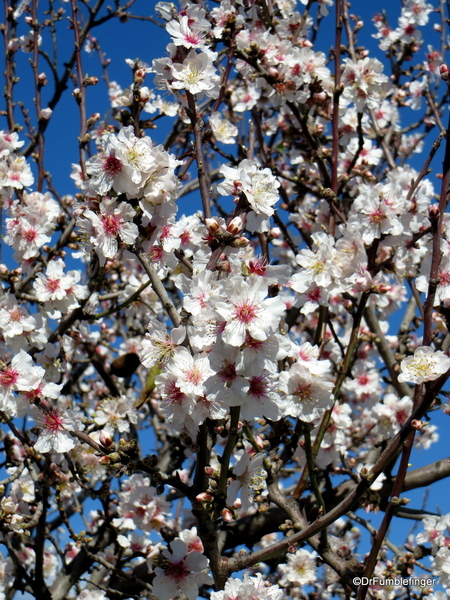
column 249, row 588
column 307, row 395
column 19, row 376
column 258, row 185
column 196, row 74
column 55, row 430
column 249, row 477
column 224, row 131
column 300, row 569
column 259, row 258
column 425, row 365
column 363, row 82
column 183, row 572
column 247, row 310
column 113, row 221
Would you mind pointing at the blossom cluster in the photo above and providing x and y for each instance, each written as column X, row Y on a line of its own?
column 222, row 336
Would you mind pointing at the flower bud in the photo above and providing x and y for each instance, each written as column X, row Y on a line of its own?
column 90, row 81
column 235, row 226
column 433, row 212
column 46, row 113
column 105, row 438
column 240, row 242
column 445, row 74
column 227, row 515
column 115, row 458
column 212, row 225
column 93, row 119
column 204, row 498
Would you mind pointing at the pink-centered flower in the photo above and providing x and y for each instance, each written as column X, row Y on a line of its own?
column 55, row 429
column 19, row 376
column 182, row 573
column 114, row 221
column 247, row 310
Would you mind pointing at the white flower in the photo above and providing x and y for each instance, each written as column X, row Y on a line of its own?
column 182, row 573
column 27, row 41
column 191, row 371
column 249, row 588
column 123, row 164
column 196, row 74
column 363, row 82
column 22, row 376
column 115, row 413
column 307, row 395
column 441, row 567
column 14, row 318
column 259, row 186
column 300, row 568
column 425, row 365
column 249, row 477
column 114, row 220
column 157, row 345
column 434, row 531
column 224, row 131
column 55, row 430
column 246, row 310
column 183, row 35
column 9, row 142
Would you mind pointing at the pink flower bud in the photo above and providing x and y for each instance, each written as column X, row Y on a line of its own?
column 433, row 212
column 105, row 439
column 444, row 71
column 275, row 233
column 204, row 498
column 227, row 515
column 417, row 424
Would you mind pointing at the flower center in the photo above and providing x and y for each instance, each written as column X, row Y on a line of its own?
column 111, row 225
column 15, row 315
column 53, row 421
column 8, row 377
column 30, row 235
column 52, row 285
column 303, row 392
column 194, row 376
column 111, row 164
column 245, row 312
column 176, row 571
column 227, row 372
column 258, row 386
